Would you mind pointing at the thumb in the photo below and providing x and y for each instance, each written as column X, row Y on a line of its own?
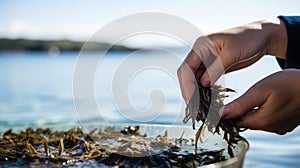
column 242, row 105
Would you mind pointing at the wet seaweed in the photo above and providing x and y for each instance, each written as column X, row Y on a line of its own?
column 100, row 147
column 204, row 106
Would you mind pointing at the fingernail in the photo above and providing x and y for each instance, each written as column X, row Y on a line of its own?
column 205, row 81
column 224, row 112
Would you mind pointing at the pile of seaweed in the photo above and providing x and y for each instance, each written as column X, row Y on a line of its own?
column 99, row 147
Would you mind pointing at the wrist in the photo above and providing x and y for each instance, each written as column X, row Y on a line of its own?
column 278, row 39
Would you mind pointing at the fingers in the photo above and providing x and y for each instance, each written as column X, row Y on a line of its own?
column 252, row 120
column 194, row 66
column 215, row 70
column 256, row 120
column 193, row 60
column 186, row 81
column 186, row 75
column 261, row 120
column 206, row 49
column 248, row 102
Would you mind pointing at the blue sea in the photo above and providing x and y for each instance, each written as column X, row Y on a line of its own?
column 71, row 88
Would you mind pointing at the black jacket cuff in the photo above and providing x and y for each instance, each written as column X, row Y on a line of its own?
column 292, row 59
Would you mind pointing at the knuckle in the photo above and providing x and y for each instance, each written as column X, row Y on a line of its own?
column 203, row 47
column 252, row 94
column 238, row 108
column 184, row 69
column 201, row 40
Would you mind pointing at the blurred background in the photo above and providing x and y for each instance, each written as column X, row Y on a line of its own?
column 40, row 42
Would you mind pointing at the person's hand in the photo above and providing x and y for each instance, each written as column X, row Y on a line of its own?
column 272, row 104
column 230, row 50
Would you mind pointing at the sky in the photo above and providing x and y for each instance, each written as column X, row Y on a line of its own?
column 80, row 19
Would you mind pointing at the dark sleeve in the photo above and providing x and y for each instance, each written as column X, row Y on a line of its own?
column 292, row 59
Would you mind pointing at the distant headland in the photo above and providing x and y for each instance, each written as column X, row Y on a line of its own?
column 60, row 45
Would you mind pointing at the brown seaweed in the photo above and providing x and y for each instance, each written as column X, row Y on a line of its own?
column 109, row 147
column 204, row 107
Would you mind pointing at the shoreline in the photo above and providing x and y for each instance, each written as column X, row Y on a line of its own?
column 22, row 45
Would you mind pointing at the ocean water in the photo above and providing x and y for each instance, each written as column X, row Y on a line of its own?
column 42, row 89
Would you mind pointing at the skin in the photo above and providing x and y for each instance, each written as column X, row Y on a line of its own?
column 272, row 104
